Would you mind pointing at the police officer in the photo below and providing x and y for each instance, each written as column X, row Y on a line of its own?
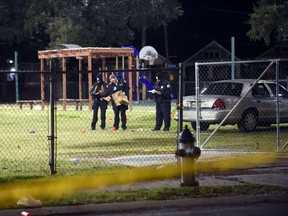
column 98, row 87
column 116, row 85
column 162, row 94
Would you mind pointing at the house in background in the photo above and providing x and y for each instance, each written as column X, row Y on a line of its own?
column 280, row 51
column 211, row 52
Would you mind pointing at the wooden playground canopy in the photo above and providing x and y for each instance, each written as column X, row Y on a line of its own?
column 84, row 53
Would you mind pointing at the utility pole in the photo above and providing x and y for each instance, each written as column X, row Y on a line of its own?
column 16, row 75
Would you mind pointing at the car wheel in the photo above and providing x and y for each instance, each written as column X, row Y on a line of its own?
column 248, row 122
column 203, row 126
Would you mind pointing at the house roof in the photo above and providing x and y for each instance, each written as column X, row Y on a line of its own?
column 213, row 43
column 265, row 54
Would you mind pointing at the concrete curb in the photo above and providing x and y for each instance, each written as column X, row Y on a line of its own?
column 132, row 206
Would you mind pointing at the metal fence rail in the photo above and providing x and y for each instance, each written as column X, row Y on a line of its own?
column 56, row 137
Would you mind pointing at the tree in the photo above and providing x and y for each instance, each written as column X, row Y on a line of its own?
column 269, row 21
column 95, row 23
column 82, row 22
column 11, row 21
column 110, row 23
column 153, row 14
column 24, row 21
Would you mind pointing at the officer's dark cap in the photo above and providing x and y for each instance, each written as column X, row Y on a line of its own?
column 99, row 77
column 159, row 76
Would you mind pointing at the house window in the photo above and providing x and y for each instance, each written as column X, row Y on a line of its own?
column 211, row 55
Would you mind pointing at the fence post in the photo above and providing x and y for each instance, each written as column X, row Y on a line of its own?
column 16, row 75
column 180, row 97
column 197, row 92
column 179, row 106
column 52, row 119
column 277, row 107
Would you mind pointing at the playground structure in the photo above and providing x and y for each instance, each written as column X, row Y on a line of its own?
column 88, row 53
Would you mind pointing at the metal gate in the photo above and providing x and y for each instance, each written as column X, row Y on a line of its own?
column 269, row 70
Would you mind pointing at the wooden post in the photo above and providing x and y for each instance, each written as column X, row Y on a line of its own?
column 90, row 78
column 117, row 63
column 42, row 80
column 64, row 83
column 123, row 67
column 130, row 82
column 80, row 82
column 103, row 67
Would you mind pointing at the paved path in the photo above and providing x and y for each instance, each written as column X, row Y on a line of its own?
column 269, row 174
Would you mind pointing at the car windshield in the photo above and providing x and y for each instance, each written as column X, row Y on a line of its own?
column 232, row 89
column 282, row 91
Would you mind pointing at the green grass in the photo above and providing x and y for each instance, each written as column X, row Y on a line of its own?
column 23, row 152
column 97, row 197
column 25, row 155
column 229, row 137
column 164, row 194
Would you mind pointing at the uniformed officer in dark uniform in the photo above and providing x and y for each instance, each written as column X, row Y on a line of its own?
column 162, row 94
column 98, row 87
column 114, row 86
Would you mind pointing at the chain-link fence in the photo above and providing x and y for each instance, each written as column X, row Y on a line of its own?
column 23, row 125
column 248, row 111
column 54, row 134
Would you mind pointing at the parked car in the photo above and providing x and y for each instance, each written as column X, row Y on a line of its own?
column 258, row 107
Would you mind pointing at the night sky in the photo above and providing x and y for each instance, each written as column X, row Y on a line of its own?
column 207, row 20
column 203, row 21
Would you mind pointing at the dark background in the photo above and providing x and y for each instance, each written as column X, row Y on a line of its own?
column 202, row 22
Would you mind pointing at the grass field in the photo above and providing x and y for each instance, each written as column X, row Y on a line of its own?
column 25, row 146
